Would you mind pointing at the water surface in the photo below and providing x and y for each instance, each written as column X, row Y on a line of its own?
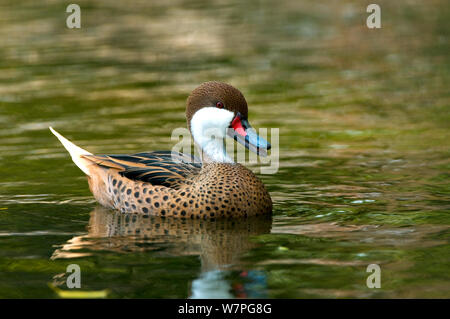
column 364, row 146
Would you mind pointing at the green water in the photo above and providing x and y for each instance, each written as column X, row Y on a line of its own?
column 364, row 146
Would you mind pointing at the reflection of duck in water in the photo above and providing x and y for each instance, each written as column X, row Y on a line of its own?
column 174, row 184
column 220, row 243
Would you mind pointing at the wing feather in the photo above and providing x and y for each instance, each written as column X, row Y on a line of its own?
column 157, row 168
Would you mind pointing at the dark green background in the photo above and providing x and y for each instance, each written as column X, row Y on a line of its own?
column 364, row 145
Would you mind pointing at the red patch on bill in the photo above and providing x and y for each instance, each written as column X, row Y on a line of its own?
column 237, row 126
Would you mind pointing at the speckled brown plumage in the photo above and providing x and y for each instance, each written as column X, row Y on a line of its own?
column 217, row 190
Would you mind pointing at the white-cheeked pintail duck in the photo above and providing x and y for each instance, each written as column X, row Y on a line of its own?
column 165, row 183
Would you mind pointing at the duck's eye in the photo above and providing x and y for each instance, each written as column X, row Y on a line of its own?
column 219, row 105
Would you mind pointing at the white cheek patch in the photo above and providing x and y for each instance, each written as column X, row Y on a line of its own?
column 209, row 126
column 211, row 119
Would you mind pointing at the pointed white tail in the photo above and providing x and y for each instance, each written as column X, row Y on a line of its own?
column 75, row 152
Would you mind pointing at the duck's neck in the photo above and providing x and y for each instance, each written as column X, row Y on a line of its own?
column 215, row 151
column 208, row 128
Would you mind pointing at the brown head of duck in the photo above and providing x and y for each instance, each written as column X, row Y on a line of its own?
column 215, row 110
column 165, row 183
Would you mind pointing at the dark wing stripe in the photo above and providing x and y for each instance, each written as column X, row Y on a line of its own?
column 158, row 168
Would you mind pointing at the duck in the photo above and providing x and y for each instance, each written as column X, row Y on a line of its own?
column 174, row 184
